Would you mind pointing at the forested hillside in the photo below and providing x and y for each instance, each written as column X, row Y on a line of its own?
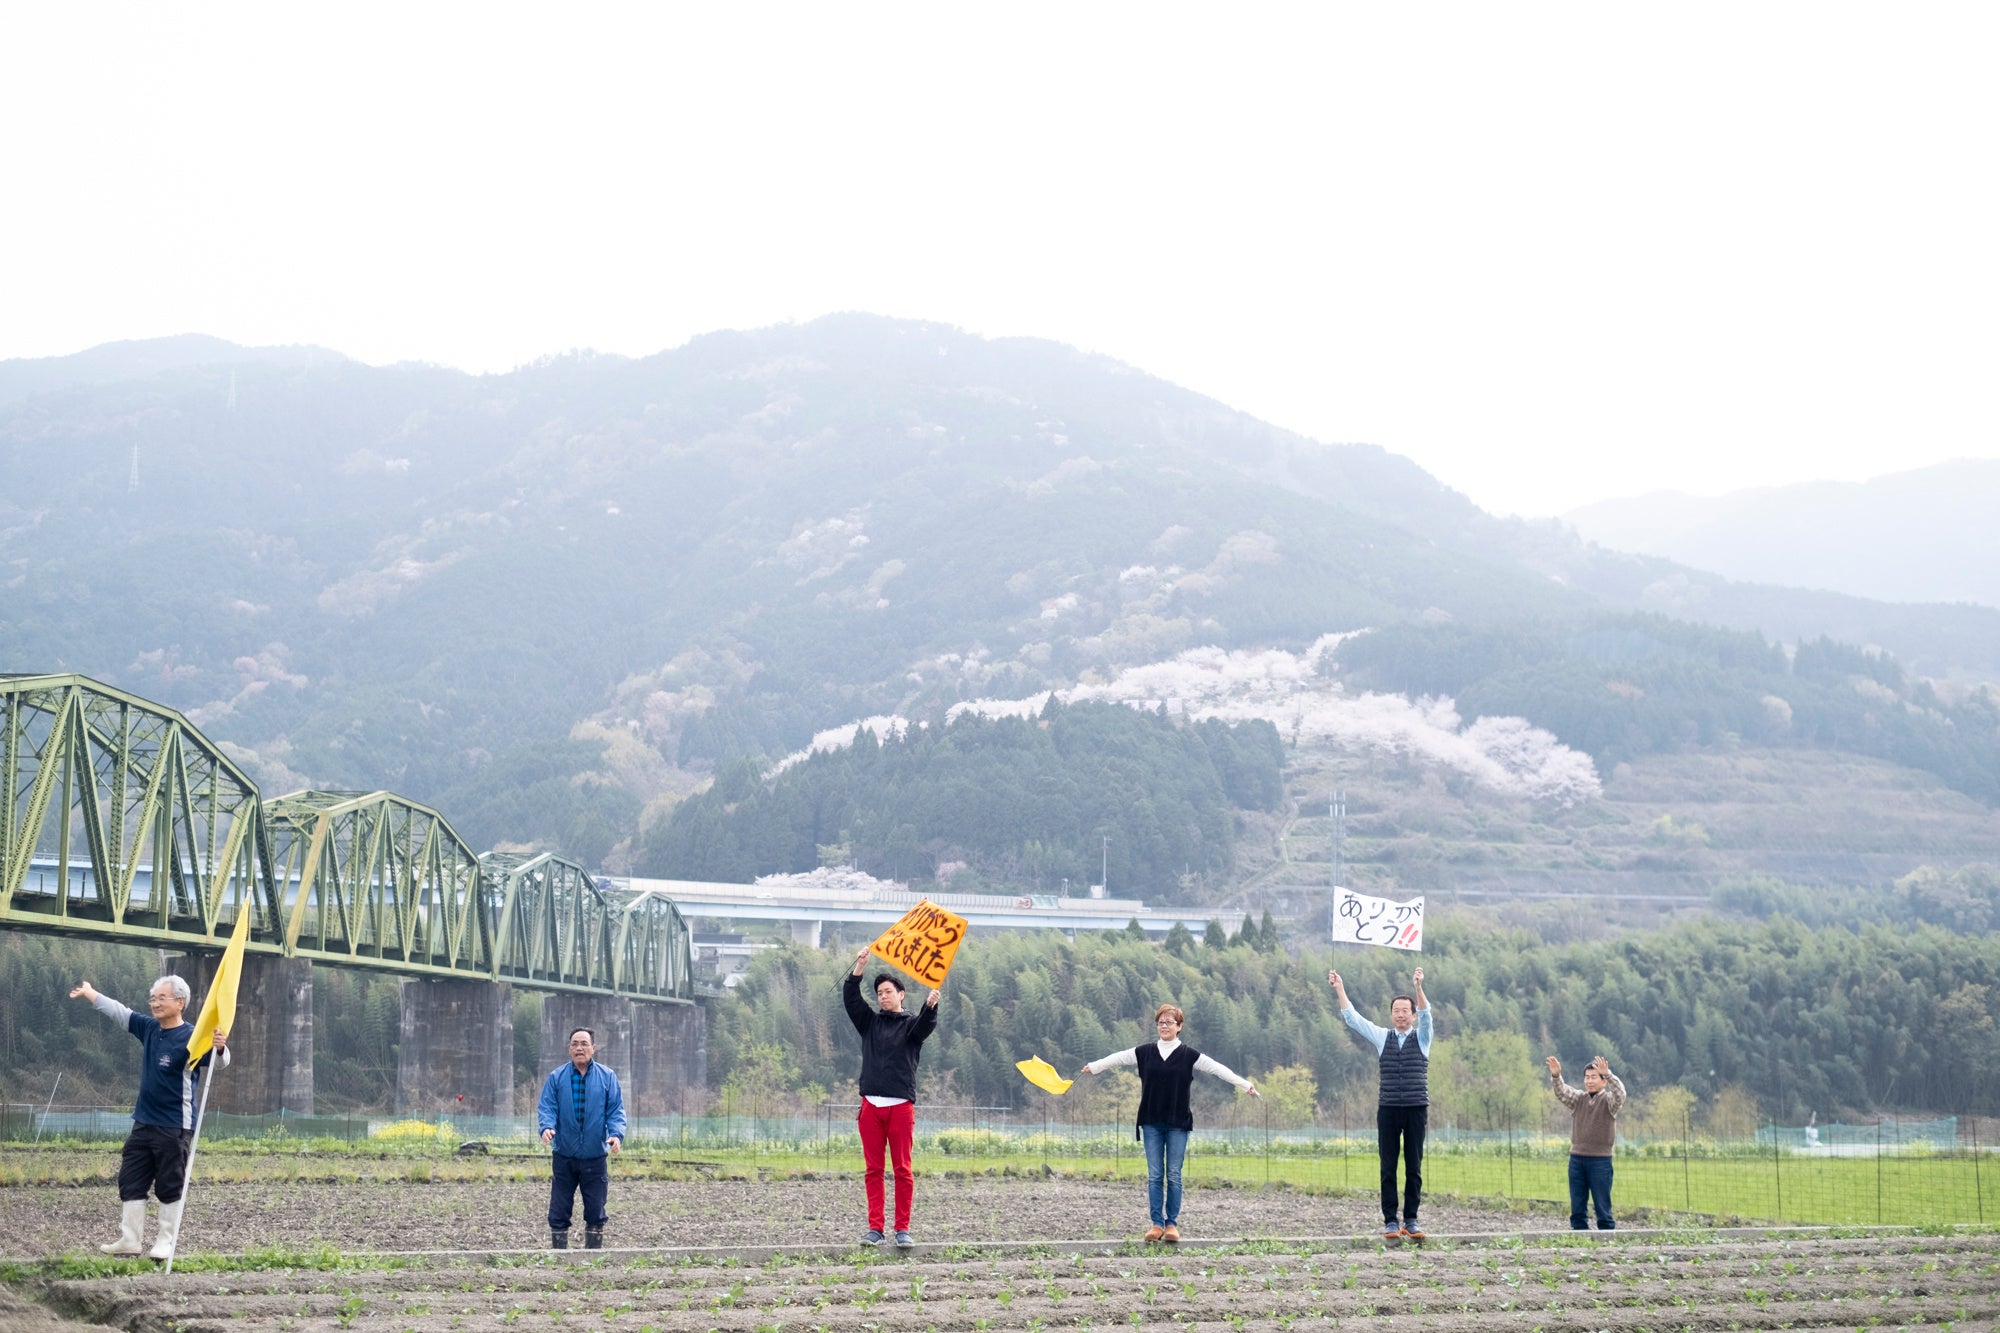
column 1020, row 800
column 554, row 602
column 1626, row 686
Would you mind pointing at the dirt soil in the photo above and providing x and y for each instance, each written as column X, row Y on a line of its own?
column 1630, row 1283
column 506, row 1215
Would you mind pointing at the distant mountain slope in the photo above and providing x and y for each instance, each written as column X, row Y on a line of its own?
column 540, row 599
column 1919, row 536
column 142, row 359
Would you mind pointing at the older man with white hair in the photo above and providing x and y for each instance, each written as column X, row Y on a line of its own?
column 163, row 1116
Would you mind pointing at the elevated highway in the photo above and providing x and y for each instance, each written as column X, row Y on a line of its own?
column 808, row 909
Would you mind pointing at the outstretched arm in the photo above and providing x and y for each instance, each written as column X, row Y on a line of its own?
column 1129, row 1056
column 103, row 1004
column 1417, row 982
column 1226, row 1074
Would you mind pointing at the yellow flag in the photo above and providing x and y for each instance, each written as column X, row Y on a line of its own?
column 218, row 1009
column 923, row 942
column 1043, row 1075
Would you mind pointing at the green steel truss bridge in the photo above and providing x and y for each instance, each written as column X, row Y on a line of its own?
column 119, row 821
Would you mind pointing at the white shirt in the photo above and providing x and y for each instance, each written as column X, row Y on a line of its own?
column 1203, row 1066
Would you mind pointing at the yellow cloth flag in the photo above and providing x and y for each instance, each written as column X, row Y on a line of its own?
column 218, row 1008
column 1043, row 1075
column 923, row 942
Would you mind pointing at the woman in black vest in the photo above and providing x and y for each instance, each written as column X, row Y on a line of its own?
column 1166, row 1072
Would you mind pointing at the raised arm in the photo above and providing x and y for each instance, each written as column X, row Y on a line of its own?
column 1417, row 983
column 1367, row 1031
column 1614, row 1087
column 1563, row 1091
column 858, row 1012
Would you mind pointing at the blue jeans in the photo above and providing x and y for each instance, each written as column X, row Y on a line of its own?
column 1590, row 1176
column 588, row 1174
column 1166, row 1146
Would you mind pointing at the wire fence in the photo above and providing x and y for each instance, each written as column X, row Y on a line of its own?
column 1891, row 1172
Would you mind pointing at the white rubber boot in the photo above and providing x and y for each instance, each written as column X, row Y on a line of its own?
column 131, row 1221
column 170, row 1230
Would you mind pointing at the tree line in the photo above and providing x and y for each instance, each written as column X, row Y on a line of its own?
column 1029, row 801
column 1773, row 1015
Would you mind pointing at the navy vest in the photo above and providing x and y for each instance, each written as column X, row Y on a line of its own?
column 1405, row 1072
column 1163, row 1086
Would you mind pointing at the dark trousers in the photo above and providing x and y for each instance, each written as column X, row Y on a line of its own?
column 589, row 1174
column 155, row 1158
column 1590, row 1176
column 1400, row 1129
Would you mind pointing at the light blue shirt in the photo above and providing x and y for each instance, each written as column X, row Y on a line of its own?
column 1377, row 1036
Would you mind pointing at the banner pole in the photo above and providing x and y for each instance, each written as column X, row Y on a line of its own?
column 187, row 1174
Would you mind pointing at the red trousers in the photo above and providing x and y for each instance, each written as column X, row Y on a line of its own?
column 890, row 1127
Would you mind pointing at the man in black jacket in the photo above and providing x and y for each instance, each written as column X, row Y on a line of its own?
column 891, row 1040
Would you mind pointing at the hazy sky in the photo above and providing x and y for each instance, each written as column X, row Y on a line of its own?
column 1554, row 253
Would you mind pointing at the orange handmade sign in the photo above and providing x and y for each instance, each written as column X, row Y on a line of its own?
column 923, row 943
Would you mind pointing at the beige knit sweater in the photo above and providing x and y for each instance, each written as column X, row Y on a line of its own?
column 1593, row 1116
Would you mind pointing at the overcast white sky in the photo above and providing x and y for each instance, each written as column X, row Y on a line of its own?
column 1554, row 253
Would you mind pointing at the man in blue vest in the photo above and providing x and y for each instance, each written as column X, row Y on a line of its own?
column 1404, row 1110
column 582, row 1115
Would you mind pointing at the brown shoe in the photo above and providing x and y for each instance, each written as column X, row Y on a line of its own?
column 1411, row 1233
column 1172, row 1235
column 1154, row 1233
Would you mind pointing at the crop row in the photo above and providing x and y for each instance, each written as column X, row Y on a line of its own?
column 1820, row 1282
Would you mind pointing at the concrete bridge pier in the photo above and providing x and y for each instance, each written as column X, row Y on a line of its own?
column 271, row 1048
column 669, row 1060
column 610, row 1022
column 458, row 1043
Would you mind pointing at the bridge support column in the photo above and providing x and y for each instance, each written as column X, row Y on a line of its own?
column 805, row 932
column 271, row 1049
column 669, row 1060
column 458, row 1040
column 608, row 1018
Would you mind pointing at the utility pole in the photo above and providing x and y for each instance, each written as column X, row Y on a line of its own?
column 1104, row 871
column 1336, row 816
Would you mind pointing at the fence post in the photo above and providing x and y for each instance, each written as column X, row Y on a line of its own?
column 1978, row 1193
column 1267, row 1142
column 1511, row 1157
column 1778, row 1169
column 1687, row 1151
column 1878, row 1170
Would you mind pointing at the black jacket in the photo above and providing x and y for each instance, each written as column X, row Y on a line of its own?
column 890, row 1043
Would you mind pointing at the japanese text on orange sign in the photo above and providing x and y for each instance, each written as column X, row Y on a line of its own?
column 923, row 943
column 1359, row 919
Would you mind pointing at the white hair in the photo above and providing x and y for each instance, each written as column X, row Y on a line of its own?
column 177, row 985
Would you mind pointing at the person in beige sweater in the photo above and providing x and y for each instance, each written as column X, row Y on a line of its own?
column 1593, row 1129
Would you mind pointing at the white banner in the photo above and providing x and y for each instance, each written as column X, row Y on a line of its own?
column 1359, row 919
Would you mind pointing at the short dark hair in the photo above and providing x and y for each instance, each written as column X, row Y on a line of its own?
column 586, row 1032
column 881, row 977
column 1411, row 998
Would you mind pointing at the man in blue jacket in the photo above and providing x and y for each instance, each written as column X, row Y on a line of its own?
column 582, row 1114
